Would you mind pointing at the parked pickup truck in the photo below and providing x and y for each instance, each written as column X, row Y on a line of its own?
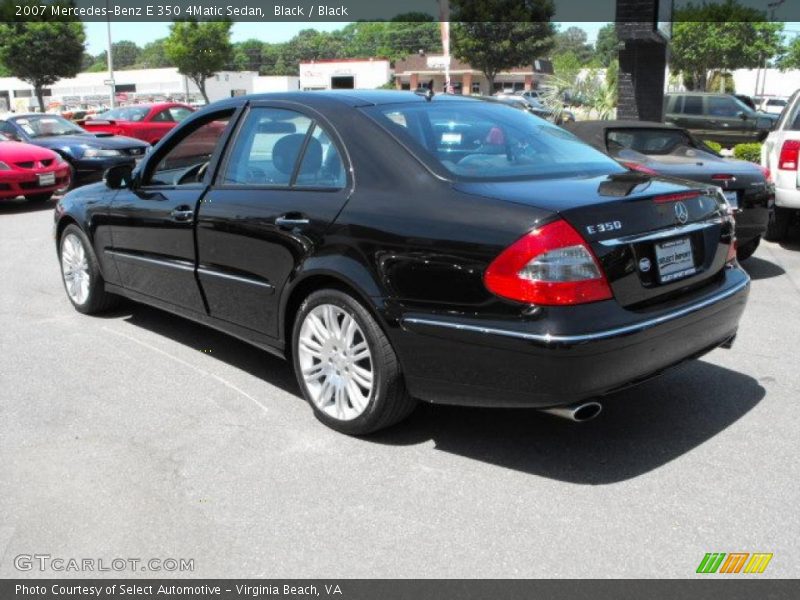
column 779, row 154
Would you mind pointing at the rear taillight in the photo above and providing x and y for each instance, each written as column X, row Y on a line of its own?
column 551, row 265
column 634, row 166
column 787, row 161
column 767, row 173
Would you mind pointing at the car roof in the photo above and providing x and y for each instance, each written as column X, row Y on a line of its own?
column 352, row 98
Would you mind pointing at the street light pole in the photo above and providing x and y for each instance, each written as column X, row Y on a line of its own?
column 112, row 95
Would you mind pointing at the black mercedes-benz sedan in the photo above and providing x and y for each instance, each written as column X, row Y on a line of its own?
column 88, row 154
column 397, row 247
column 665, row 149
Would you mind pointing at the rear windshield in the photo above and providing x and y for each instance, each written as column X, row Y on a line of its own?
column 484, row 141
column 647, row 141
column 126, row 113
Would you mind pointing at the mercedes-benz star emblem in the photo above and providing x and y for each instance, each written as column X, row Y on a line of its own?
column 644, row 265
column 681, row 212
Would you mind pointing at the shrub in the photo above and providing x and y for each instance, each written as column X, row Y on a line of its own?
column 713, row 145
column 751, row 152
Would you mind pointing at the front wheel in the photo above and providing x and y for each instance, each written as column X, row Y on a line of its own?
column 346, row 367
column 81, row 273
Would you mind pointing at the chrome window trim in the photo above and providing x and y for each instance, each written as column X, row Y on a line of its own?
column 662, row 233
column 586, row 337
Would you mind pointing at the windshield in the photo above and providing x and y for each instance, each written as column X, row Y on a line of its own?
column 648, row 141
column 126, row 113
column 46, row 126
column 484, row 141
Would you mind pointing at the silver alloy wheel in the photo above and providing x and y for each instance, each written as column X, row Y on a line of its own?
column 336, row 362
column 75, row 268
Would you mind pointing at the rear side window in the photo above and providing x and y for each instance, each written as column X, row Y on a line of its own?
column 693, row 105
column 269, row 145
column 487, row 141
column 790, row 119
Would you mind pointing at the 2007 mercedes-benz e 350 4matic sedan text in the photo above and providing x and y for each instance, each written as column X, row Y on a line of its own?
column 398, row 247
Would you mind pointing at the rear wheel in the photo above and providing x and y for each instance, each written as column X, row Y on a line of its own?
column 346, row 367
column 745, row 251
column 39, row 197
column 81, row 273
column 778, row 225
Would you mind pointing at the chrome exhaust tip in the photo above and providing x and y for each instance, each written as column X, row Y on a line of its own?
column 580, row 412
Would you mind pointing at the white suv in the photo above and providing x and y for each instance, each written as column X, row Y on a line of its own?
column 781, row 155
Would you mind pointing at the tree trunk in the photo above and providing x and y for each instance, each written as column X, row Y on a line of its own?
column 37, row 89
column 201, row 84
column 490, row 79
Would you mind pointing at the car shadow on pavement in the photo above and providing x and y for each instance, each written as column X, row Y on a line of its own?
column 19, row 206
column 208, row 341
column 640, row 429
column 758, row 268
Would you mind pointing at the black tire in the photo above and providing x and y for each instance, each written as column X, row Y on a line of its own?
column 39, row 197
column 746, row 250
column 389, row 402
column 98, row 299
column 778, row 225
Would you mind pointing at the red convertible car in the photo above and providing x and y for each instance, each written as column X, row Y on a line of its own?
column 147, row 122
column 30, row 171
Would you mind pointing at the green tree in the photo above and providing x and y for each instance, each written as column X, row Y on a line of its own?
column 721, row 37
column 125, row 54
column 606, row 46
column 199, row 50
column 573, row 41
column 791, row 57
column 42, row 52
column 495, row 46
column 566, row 66
column 154, row 55
column 247, row 55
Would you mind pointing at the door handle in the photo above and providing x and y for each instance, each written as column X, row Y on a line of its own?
column 290, row 221
column 182, row 213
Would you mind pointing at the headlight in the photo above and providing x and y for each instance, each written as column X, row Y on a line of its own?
column 4, row 166
column 100, row 153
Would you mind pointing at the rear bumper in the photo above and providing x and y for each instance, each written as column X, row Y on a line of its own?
column 474, row 362
column 787, row 197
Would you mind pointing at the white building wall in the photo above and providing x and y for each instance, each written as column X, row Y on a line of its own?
column 161, row 83
column 775, row 82
column 366, row 74
column 264, row 84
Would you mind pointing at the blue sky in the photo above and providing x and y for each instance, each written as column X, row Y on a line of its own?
column 142, row 33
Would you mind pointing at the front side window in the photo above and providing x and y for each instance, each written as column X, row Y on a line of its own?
column 722, row 107
column 485, row 141
column 187, row 159
column 162, row 116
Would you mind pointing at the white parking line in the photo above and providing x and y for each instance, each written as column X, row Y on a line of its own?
column 189, row 365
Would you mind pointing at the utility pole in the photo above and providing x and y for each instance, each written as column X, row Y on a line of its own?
column 113, row 93
column 771, row 6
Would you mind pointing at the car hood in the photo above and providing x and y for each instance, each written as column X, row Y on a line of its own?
column 90, row 140
column 13, row 152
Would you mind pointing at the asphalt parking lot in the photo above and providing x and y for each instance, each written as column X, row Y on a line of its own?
column 140, row 434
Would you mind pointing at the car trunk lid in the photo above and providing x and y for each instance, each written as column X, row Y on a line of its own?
column 654, row 237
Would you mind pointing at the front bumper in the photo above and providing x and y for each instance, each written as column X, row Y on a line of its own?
column 470, row 361
column 26, row 183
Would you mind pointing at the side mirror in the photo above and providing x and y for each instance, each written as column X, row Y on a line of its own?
column 118, row 177
column 742, row 115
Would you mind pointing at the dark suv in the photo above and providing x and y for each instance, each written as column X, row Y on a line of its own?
column 721, row 118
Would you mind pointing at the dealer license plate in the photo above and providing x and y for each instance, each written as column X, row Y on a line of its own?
column 732, row 199
column 47, row 179
column 674, row 259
